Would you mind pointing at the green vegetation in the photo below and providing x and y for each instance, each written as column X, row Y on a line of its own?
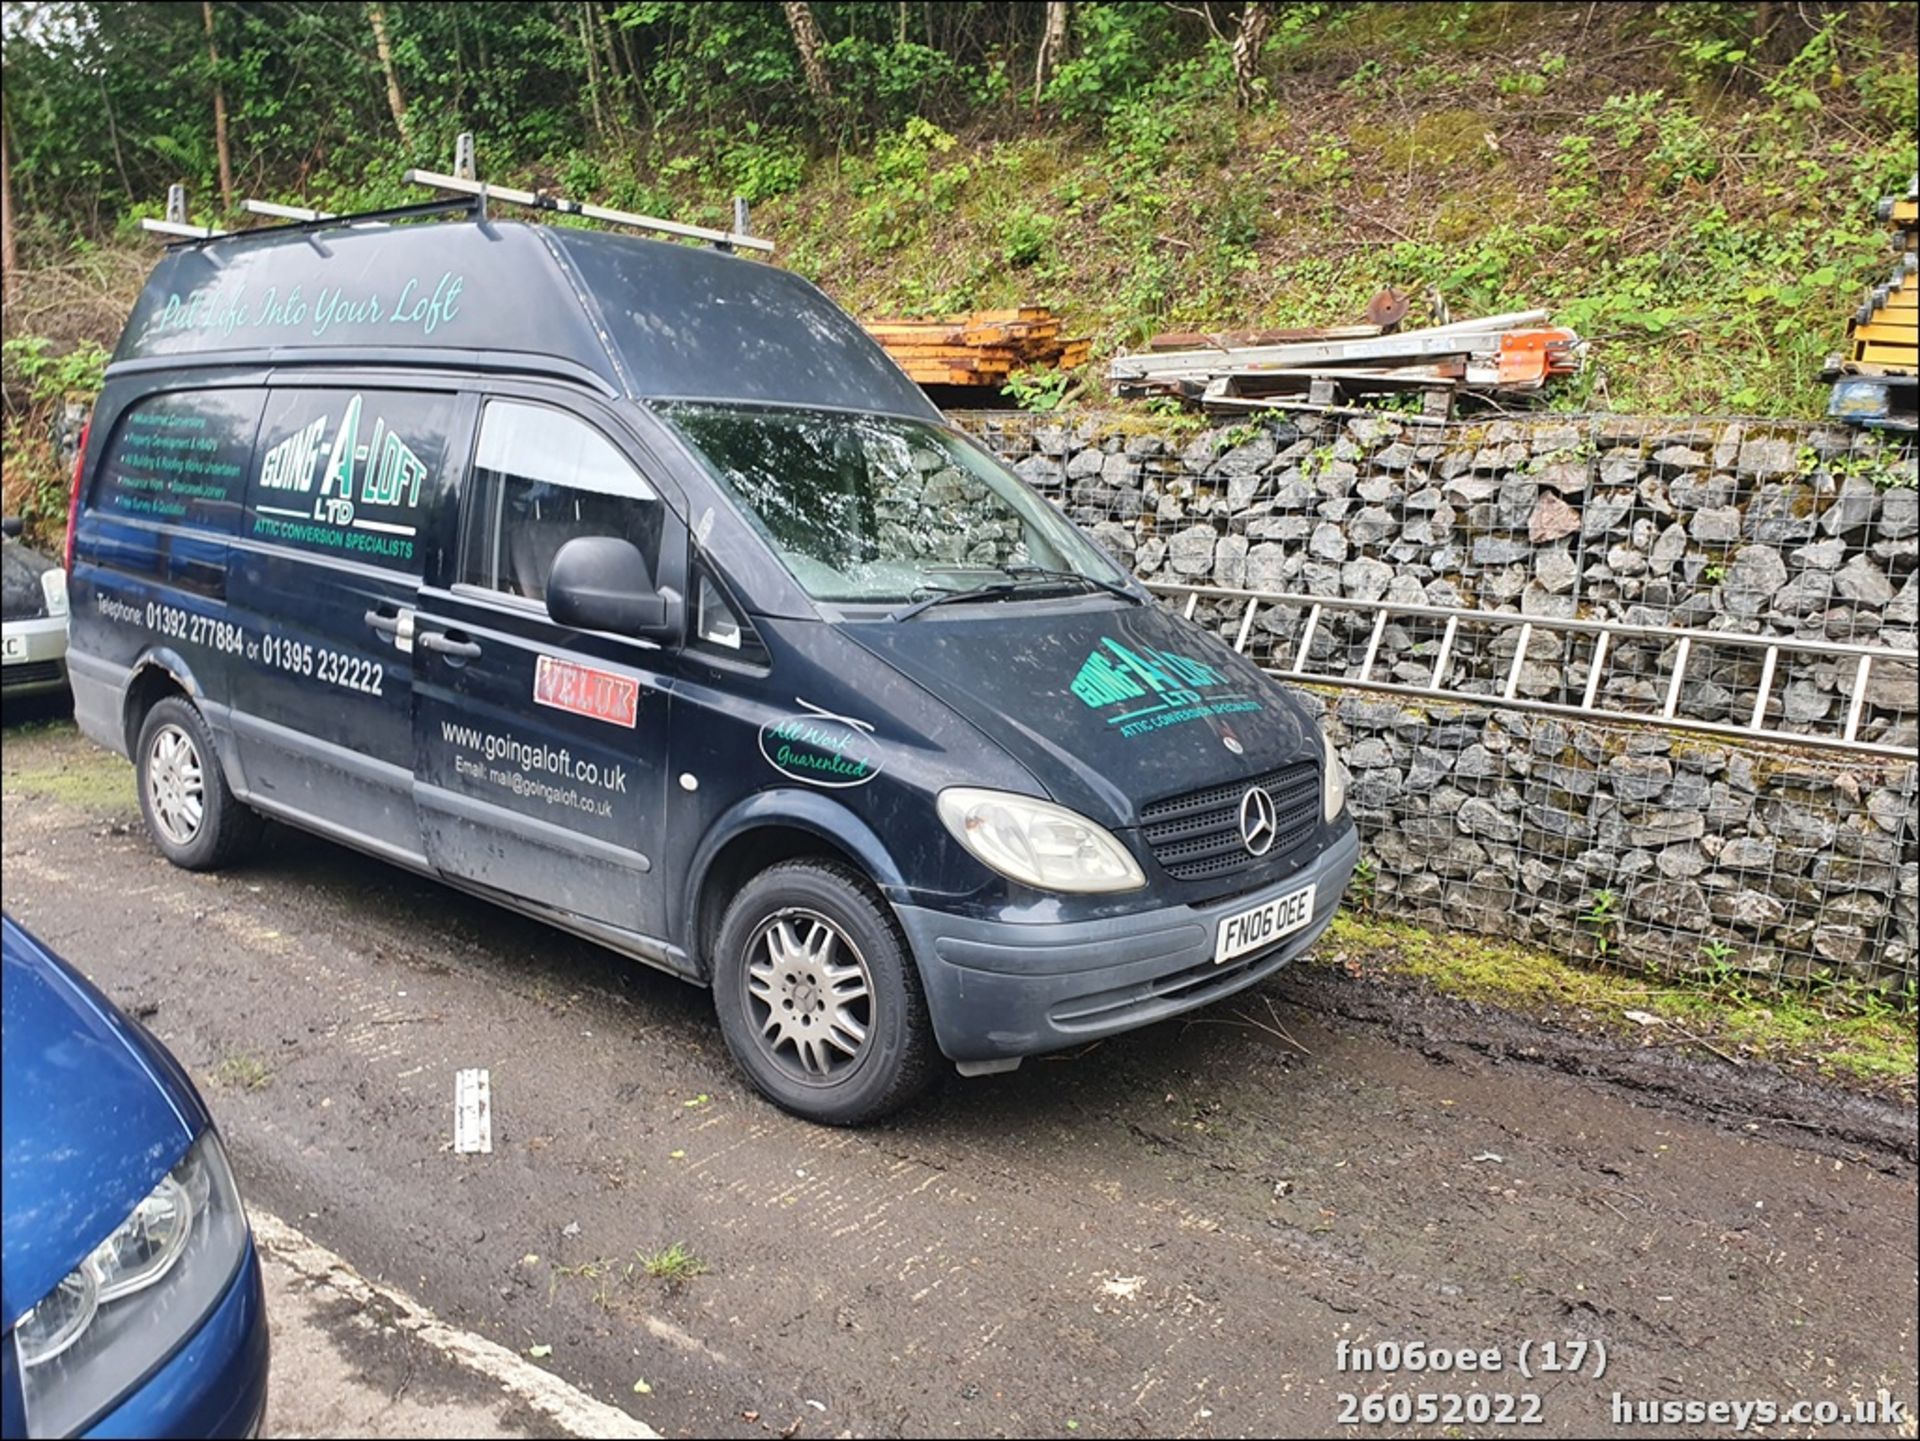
column 676, row 1265
column 1689, row 185
column 242, row 1073
column 51, row 759
column 1843, row 1032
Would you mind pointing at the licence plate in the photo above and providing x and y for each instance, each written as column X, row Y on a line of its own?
column 13, row 647
column 1263, row 925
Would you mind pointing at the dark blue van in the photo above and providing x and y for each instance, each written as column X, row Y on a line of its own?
column 632, row 586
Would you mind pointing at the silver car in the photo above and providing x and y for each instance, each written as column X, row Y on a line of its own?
column 33, row 619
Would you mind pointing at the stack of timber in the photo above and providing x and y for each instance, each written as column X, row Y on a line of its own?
column 979, row 349
column 1875, row 380
column 1500, row 355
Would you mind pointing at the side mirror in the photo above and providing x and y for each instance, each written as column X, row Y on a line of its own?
column 11, row 527
column 600, row 582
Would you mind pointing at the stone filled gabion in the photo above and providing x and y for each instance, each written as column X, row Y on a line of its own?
column 1648, row 847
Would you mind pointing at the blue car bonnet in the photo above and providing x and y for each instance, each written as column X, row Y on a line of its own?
column 92, row 1114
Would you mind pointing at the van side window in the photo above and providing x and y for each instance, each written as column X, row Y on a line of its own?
column 350, row 472
column 540, row 478
column 183, row 458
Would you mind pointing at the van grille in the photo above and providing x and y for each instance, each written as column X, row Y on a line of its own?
column 1196, row 837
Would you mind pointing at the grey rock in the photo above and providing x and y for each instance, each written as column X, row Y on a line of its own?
column 1085, row 463
column 1603, row 514
column 1719, row 526
column 1863, row 581
column 1142, row 447
column 1681, row 862
column 1779, row 514
column 1230, row 561
column 1371, row 526
column 1820, row 555
column 1266, row 567
column 1639, row 778
column 1397, row 456
column 1679, row 457
column 1747, row 853
column 1750, row 909
column 1255, row 455
column 1042, row 472
column 1117, row 540
column 1191, row 550
column 1517, row 497
column 1480, row 817
column 1899, row 514
column 1620, row 467
column 1852, row 509
column 1329, row 542
column 1365, row 579
column 1765, row 457
column 1663, row 828
column 1495, row 550
column 1756, row 573
column 1679, row 904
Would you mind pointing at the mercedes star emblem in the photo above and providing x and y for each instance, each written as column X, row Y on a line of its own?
column 1257, row 827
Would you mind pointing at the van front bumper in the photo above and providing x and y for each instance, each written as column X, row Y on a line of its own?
column 997, row 990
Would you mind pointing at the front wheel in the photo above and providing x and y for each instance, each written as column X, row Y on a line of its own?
column 817, row 996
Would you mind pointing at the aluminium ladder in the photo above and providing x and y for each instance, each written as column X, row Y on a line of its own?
column 1296, row 665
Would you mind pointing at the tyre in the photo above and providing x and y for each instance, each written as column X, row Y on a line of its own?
column 818, row 997
column 194, row 817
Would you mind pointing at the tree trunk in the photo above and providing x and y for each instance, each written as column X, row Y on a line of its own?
column 9, row 260
column 812, row 47
column 1256, row 19
column 1053, row 47
column 593, row 71
column 113, row 135
column 396, row 102
column 219, row 112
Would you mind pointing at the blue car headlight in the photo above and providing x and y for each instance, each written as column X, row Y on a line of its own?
column 141, row 1292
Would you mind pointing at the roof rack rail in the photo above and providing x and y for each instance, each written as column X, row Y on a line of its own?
column 302, row 219
column 736, row 239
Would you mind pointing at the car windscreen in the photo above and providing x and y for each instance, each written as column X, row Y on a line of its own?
column 20, row 590
column 878, row 508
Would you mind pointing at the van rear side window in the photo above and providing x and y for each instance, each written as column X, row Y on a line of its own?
column 182, row 458
column 349, row 472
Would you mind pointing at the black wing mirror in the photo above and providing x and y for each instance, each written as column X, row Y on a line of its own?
column 600, row 582
column 10, row 527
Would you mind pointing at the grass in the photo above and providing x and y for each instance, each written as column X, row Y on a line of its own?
column 1873, row 1043
column 675, row 1265
column 242, row 1073
column 49, row 759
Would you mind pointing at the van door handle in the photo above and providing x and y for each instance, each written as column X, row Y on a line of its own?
column 398, row 627
column 444, row 642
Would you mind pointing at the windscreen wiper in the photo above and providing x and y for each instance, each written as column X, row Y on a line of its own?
column 999, row 590
column 1042, row 572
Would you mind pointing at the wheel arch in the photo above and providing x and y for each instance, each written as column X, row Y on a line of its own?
column 763, row 830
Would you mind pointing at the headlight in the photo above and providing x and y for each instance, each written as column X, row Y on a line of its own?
column 53, row 585
column 1038, row 843
column 1333, row 781
column 138, row 1295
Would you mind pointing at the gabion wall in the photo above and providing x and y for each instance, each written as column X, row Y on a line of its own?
column 1644, row 845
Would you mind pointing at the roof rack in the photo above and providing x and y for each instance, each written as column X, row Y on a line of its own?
column 540, row 200
column 475, row 194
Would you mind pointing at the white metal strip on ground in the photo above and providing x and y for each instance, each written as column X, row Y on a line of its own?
column 570, row 1409
column 472, row 1112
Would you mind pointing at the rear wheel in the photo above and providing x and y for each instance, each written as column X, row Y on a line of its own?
column 198, row 822
column 817, row 995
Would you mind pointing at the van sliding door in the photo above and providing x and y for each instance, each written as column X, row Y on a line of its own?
column 327, row 568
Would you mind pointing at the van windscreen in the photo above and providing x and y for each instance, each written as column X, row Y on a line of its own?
column 879, row 508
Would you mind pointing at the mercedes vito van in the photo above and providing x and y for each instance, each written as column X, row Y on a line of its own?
column 632, row 586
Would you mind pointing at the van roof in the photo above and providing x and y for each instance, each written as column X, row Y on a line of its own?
column 651, row 319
